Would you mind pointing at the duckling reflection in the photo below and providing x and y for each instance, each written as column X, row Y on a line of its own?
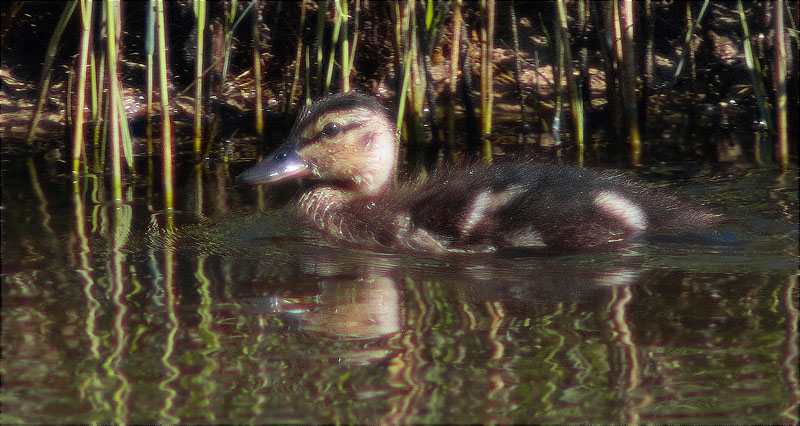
column 360, row 309
column 345, row 145
column 348, row 295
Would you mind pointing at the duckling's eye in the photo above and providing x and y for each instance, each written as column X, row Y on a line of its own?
column 331, row 129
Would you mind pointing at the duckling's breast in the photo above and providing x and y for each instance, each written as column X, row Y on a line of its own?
column 322, row 206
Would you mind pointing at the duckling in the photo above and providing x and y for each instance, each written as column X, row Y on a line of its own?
column 344, row 144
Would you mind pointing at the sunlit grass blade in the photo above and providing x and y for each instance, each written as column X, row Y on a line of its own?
column 47, row 67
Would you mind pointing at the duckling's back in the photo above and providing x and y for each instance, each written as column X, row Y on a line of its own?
column 536, row 206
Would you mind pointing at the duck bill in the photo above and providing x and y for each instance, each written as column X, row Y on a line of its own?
column 282, row 164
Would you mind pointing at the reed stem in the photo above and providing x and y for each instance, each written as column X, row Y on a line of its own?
column 116, row 170
column 47, row 67
column 781, row 96
column 258, row 108
column 166, row 121
column 298, row 60
column 200, row 22
column 487, row 82
column 79, row 144
column 337, row 25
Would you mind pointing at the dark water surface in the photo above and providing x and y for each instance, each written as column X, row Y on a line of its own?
column 237, row 319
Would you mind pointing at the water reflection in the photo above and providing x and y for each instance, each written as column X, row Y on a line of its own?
column 237, row 317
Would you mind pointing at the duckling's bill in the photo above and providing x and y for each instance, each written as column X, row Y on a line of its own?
column 282, row 164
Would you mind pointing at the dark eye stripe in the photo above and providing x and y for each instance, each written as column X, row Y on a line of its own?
column 304, row 142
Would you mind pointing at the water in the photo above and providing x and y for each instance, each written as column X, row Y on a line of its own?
column 237, row 319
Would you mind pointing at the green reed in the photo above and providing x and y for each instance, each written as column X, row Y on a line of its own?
column 166, row 121
column 78, row 147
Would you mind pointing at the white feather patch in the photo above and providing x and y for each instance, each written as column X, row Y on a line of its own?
column 622, row 209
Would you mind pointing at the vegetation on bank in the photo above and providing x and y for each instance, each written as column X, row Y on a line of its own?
column 564, row 69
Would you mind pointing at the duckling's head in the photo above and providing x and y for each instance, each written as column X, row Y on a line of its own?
column 347, row 139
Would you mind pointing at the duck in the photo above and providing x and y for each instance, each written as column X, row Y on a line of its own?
column 343, row 147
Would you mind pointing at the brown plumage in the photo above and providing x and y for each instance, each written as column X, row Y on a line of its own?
column 345, row 145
